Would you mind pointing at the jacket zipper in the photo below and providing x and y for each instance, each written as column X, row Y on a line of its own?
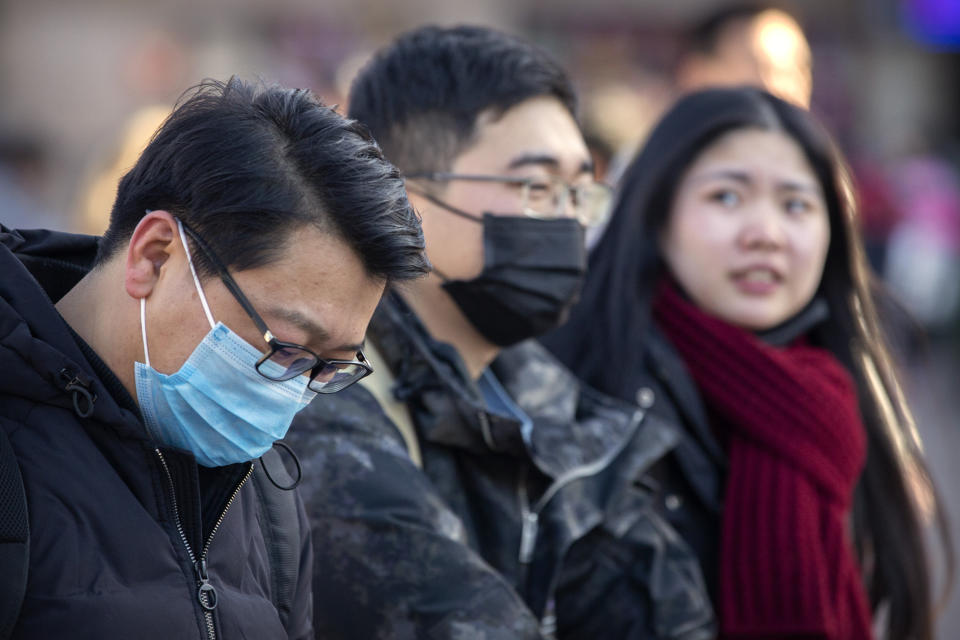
column 530, row 516
column 206, row 593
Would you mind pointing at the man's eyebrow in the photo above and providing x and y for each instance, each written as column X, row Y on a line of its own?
column 547, row 160
column 527, row 159
column 317, row 334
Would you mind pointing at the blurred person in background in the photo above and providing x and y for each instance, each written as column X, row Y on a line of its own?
column 732, row 286
column 472, row 488
column 756, row 44
column 141, row 385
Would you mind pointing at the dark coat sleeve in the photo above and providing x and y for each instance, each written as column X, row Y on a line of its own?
column 391, row 559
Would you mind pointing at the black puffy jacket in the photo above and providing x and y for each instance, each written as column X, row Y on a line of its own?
column 120, row 529
column 504, row 533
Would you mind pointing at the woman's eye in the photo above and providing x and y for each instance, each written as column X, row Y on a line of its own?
column 725, row 197
column 797, row 205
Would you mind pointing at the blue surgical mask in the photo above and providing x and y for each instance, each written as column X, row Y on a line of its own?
column 217, row 406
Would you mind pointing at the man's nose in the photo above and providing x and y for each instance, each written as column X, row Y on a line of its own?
column 565, row 198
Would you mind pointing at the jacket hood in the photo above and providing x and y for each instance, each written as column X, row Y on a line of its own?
column 41, row 360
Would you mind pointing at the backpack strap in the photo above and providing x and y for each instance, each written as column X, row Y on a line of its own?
column 280, row 524
column 380, row 384
column 14, row 538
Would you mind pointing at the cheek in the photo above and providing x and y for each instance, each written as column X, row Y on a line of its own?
column 454, row 246
column 175, row 326
column 811, row 253
column 694, row 247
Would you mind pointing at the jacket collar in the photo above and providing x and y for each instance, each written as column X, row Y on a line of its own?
column 699, row 453
column 432, row 378
column 36, row 344
column 672, row 374
column 572, row 426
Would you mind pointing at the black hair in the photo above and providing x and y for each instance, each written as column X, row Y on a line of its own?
column 421, row 95
column 705, row 35
column 245, row 165
column 612, row 321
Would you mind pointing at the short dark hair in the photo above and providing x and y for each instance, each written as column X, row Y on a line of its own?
column 246, row 164
column 704, row 36
column 421, row 95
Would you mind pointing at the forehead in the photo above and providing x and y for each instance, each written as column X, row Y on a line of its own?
column 539, row 126
column 319, row 277
column 758, row 151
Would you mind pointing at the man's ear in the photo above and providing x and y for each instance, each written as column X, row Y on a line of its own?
column 153, row 242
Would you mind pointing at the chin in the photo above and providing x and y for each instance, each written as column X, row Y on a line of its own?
column 752, row 319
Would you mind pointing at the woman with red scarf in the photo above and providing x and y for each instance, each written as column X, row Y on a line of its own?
column 730, row 292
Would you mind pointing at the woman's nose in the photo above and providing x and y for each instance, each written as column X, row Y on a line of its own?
column 762, row 229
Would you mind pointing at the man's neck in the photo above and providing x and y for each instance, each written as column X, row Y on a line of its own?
column 94, row 315
column 445, row 322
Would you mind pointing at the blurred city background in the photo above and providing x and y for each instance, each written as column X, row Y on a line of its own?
column 84, row 84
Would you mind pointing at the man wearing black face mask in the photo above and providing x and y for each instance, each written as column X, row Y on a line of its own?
column 498, row 499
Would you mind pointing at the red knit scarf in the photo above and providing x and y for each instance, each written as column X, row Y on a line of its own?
column 796, row 447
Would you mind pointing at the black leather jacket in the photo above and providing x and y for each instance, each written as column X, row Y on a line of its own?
column 506, row 532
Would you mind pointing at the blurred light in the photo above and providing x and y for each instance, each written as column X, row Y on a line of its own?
column 934, row 22
column 96, row 199
column 783, row 56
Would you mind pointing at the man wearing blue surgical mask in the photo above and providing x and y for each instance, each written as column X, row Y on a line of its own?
column 145, row 376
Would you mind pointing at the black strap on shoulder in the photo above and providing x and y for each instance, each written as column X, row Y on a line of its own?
column 14, row 538
column 280, row 524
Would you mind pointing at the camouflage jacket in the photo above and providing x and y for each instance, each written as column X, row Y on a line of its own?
column 506, row 531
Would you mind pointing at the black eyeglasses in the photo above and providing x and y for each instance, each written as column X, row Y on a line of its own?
column 286, row 360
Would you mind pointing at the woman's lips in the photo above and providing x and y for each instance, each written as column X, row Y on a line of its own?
column 756, row 281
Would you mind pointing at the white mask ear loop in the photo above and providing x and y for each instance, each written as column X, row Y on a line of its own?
column 143, row 329
column 196, row 280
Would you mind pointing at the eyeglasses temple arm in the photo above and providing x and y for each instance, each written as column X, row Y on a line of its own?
column 443, row 205
column 230, row 283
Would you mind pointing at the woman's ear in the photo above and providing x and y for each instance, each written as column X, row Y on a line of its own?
column 151, row 244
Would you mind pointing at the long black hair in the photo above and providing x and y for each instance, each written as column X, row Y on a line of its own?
column 611, row 322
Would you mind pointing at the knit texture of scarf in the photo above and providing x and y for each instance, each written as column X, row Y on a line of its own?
column 796, row 447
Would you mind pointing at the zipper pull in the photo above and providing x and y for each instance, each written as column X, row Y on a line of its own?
column 79, row 385
column 528, row 536
column 485, row 429
column 548, row 623
column 206, row 593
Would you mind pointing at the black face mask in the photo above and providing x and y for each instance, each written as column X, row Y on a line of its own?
column 532, row 274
